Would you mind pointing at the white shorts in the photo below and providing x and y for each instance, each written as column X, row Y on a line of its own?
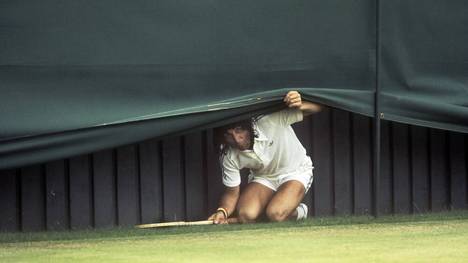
column 305, row 176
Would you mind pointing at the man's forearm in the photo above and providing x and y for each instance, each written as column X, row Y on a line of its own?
column 308, row 108
column 229, row 199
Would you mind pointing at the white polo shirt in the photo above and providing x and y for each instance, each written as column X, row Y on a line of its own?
column 276, row 151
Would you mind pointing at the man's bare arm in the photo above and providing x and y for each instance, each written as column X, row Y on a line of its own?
column 228, row 201
column 293, row 100
column 309, row 108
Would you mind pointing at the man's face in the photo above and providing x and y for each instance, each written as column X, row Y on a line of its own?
column 238, row 138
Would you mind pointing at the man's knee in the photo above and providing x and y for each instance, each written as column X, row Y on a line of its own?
column 276, row 214
column 246, row 215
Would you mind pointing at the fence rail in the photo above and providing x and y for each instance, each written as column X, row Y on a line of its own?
column 178, row 178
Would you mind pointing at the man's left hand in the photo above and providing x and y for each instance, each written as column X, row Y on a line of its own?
column 293, row 99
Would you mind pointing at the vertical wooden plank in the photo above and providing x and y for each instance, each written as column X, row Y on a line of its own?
column 386, row 173
column 128, row 202
column 194, row 178
column 362, row 163
column 9, row 219
column 151, row 191
column 215, row 186
column 401, row 168
column 57, row 196
column 81, row 201
column 342, row 162
column 420, row 169
column 303, row 131
column 439, row 185
column 32, row 199
column 104, row 189
column 466, row 166
column 173, row 180
column 321, row 155
column 458, row 171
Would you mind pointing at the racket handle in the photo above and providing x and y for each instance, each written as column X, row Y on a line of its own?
column 177, row 223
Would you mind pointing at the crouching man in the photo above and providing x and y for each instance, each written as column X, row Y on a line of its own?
column 280, row 170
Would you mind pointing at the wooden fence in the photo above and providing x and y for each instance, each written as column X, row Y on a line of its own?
column 178, row 178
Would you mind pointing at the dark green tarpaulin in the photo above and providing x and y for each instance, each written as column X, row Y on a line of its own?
column 424, row 62
column 79, row 76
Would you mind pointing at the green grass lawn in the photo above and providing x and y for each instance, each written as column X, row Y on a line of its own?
column 419, row 238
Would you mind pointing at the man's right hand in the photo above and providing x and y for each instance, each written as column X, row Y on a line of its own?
column 227, row 203
column 218, row 218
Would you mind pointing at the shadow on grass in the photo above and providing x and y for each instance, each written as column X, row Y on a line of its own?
column 130, row 232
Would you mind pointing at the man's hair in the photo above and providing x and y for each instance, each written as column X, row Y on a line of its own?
column 219, row 140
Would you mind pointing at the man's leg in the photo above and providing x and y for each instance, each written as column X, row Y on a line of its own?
column 253, row 201
column 283, row 204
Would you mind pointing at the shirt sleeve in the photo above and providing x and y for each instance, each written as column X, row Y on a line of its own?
column 286, row 117
column 230, row 171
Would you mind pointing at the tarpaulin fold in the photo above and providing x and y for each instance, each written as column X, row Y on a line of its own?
column 80, row 76
column 424, row 63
